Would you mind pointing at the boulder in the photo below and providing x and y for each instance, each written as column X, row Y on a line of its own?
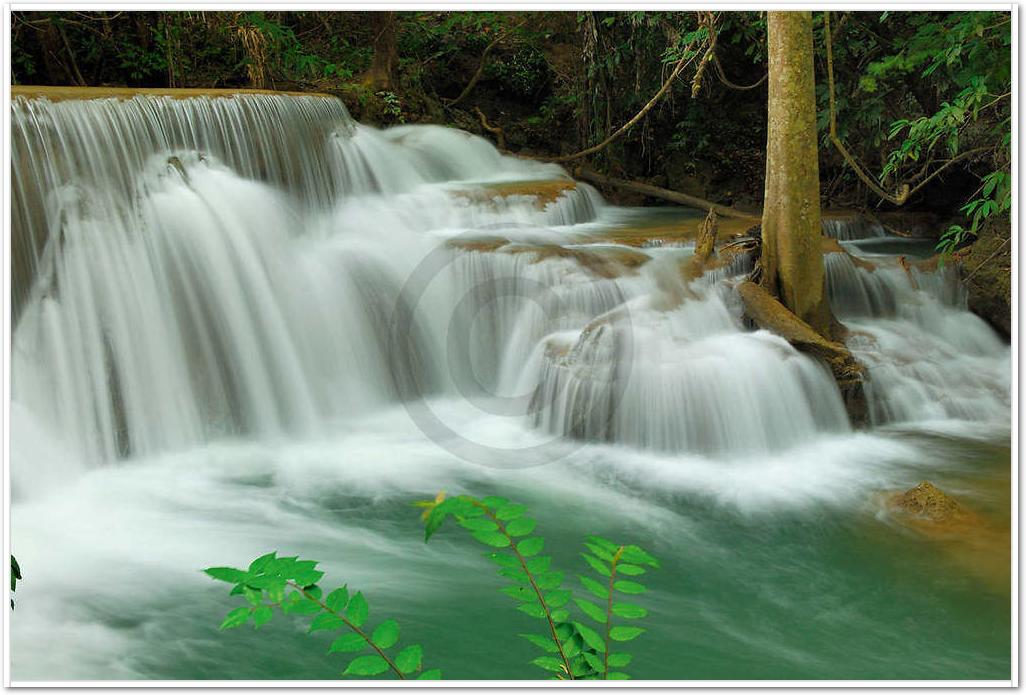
column 926, row 501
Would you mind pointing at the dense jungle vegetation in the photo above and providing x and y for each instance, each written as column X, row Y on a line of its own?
column 914, row 108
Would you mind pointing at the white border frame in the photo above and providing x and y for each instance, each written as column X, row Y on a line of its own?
column 468, row 5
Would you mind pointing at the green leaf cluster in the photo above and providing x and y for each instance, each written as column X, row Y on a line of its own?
column 572, row 648
column 291, row 585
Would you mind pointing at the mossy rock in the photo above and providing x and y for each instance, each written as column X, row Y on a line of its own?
column 927, row 501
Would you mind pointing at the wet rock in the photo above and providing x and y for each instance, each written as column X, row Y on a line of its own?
column 926, row 501
column 987, row 274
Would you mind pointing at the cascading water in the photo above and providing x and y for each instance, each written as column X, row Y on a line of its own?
column 206, row 359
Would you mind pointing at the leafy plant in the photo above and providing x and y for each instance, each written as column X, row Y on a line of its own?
column 15, row 576
column 574, row 647
column 290, row 584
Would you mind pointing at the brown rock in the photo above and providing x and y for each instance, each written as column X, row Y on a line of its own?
column 926, row 501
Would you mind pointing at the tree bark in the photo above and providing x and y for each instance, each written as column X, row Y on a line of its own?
column 792, row 263
column 381, row 76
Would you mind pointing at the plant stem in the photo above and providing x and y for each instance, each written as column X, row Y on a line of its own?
column 609, row 612
column 530, row 578
column 351, row 626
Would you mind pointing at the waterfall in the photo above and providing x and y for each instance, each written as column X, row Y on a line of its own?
column 928, row 357
column 191, row 270
column 852, row 227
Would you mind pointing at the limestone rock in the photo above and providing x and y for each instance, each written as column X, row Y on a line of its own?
column 926, row 501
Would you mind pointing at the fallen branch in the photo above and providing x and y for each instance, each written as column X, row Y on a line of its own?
column 664, row 194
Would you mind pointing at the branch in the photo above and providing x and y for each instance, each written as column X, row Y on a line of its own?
column 609, row 612
column 500, row 136
column 530, row 577
column 681, row 64
column 351, row 626
column 903, row 193
column 741, row 88
column 664, row 194
column 484, row 62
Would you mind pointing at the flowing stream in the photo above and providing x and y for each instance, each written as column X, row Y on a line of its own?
column 250, row 323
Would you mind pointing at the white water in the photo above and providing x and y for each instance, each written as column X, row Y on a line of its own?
column 208, row 294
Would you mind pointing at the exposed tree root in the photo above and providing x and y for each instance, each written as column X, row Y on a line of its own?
column 766, row 312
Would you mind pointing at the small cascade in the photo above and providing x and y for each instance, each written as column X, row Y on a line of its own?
column 929, row 358
column 852, row 228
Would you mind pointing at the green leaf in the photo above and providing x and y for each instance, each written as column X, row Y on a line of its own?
column 408, row 660
column 495, row 540
column 434, row 521
column 591, row 638
column 591, row 610
column 349, row 642
column 621, row 633
column 600, row 552
column 557, row 597
column 226, row 574
column 637, row 556
column 236, row 617
column 430, row 675
column 357, row 610
column 366, row 665
column 564, row 631
column 594, row 661
column 516, row 574
column 594, row 587
column 520, row 593
column 520, row 527
column 386, row 634
column 261, row 615
column 539, row 564
column 504, row 560
column 572, row 647
column 604, row 543
column 618, row 676
column 326, row 621
column 629, row 610
column 252, row 596
column 629, row 587
column 549, row 663
column 619, row 659
column 493, row 502
column 596, row 564
column 532, row 609
column 530, row 546
column 549, row 580
column 544, row 643
column 630, row 570
column 479, row 524
column 305, row 578
column 336, row 601
column 261, row 562
column 510, row 512
column 560, row 615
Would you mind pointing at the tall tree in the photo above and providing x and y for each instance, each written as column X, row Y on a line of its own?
column 381, row 75
column 792, row 265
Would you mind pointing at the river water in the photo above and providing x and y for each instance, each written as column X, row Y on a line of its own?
column 250, row 324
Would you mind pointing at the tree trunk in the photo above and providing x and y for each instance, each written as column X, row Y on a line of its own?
column 381, row 76
column 792, row 259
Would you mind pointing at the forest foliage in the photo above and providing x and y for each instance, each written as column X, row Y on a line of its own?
column 921, row 97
